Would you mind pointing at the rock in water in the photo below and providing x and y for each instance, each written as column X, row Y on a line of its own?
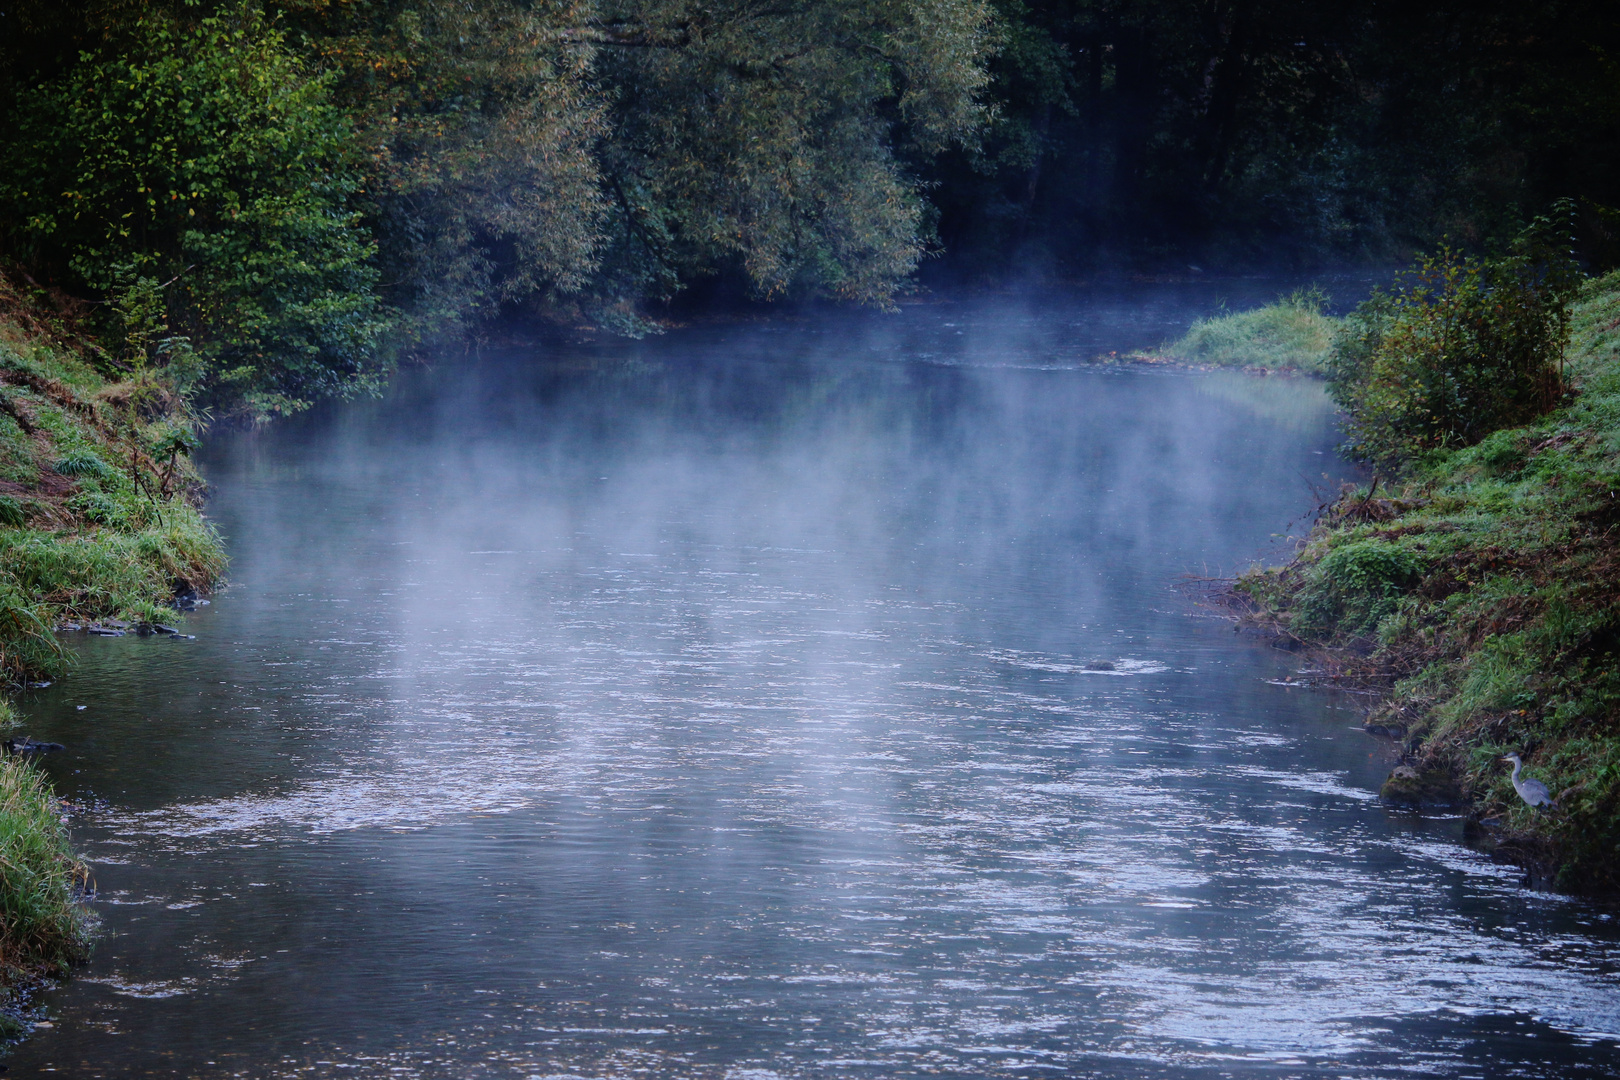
column 1408, row 786
column 29, row 748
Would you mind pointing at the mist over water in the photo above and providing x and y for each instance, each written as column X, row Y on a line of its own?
column 807, row 699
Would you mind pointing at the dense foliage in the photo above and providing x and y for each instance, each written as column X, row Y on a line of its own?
column 766, row 137
column 309, row 174
column 326, row 181
column 1458, row 348
column 211, row 156
column 480, row 124
column 1156, row 132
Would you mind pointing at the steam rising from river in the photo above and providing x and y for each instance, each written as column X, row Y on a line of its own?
column 782, row 702
column 586, row 564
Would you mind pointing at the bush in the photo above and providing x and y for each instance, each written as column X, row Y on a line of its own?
column 1458, row 348
column 1355, row 586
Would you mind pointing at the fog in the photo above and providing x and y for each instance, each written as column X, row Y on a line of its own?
column 798, row 699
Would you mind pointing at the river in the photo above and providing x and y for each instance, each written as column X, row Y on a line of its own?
column 807, row 698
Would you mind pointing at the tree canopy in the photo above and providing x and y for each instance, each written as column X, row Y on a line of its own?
column 1266, row 131
column 313, row 185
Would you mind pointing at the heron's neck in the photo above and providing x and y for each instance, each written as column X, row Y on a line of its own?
column 1517, row 765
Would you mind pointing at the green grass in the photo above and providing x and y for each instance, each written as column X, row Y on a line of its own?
column 98, row 519
column 1292, row 333
column 1484, row 591
column 43, row 927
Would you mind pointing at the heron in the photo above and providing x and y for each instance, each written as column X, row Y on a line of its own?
column 1531, row 791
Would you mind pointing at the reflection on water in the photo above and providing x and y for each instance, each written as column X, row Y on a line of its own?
column 795, row 701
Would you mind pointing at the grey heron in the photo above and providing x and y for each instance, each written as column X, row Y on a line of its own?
column 1531, row 791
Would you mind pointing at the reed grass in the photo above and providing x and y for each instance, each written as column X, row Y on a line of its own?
column 43, row 925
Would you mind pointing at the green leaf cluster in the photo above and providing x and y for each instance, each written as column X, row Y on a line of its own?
column 770, row 141
column 202, row 173
column 271, row 197
column 1458, row 347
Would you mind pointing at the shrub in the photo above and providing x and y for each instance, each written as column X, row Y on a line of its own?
column 1355, row 586
column 1458, row 348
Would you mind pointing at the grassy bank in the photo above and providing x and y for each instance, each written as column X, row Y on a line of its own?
column 43, row 927
column 1481, row 591
column 99, row 524
column 1293, row 333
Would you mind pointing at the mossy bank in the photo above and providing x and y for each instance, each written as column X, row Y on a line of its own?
column 1480, row 591
column 99, row 526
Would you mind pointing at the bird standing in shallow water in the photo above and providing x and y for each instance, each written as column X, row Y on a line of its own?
column 1531, row 791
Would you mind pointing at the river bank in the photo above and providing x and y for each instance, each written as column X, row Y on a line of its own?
column 1480, row 594
column 100, row 531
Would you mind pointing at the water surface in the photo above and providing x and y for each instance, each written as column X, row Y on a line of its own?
column 806, row 699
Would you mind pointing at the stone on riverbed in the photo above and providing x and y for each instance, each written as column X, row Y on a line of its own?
column 27, row 748
column 1409, row 786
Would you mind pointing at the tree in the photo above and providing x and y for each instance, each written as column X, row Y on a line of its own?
column 771, row 137
column 481, row 121
column 210, row 157
column 1152, row 131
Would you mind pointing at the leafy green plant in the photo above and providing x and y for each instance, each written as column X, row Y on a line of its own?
column 167, row 443
column 201, row 176
column 1356, row 585
column 140, row 319
column 1458, row 348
